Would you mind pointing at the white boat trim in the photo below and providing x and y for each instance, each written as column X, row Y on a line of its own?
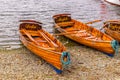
column 114, row 2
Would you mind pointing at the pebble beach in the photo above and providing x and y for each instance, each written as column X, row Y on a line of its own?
column 86, row 64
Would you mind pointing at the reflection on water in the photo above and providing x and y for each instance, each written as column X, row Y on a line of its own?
column 103, row 11
column 11, row 11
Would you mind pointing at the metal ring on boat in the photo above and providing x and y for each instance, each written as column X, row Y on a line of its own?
column 67, row 56
column 115, row 45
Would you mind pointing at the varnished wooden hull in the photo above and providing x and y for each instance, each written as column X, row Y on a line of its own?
column 102, row 42
column 112, row 28
column 53, row 57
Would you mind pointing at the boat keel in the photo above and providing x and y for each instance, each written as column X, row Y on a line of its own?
column 56, row 70
column 110, row 55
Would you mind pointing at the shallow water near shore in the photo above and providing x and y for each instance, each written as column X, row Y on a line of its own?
column 18, row 63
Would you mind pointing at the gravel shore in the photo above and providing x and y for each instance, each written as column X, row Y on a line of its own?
column 87, row 64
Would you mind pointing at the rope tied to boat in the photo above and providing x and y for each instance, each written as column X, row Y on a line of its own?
column 65, row 59
column 115, row 45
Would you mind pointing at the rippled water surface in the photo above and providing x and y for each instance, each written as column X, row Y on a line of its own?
column 11, row 11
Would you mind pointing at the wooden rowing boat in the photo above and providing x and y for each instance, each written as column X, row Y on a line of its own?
column 84, row 34
column 112, row 28
column 43, row 44
column 114, row 2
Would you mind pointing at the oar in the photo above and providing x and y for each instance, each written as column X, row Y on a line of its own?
column 52, row 44
column 36, row 41
column 60, row 34
column 113, row 21
column 103, row 26
column 68, row 30
column 99, row 35
column 29, row 36
column 49, row 48
column 68, row 33
column 93, row 21
column 57, row 27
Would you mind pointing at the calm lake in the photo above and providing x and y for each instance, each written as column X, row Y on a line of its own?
column 11, row 11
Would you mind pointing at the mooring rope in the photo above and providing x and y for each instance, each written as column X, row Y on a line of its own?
column 67, row 62
column 115, row 45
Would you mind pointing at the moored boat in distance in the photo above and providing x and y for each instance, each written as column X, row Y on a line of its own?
column 114, row 2
column 44, row 44
column 84, row 34
column 112, row 28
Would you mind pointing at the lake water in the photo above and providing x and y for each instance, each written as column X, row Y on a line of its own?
column 11, row 11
